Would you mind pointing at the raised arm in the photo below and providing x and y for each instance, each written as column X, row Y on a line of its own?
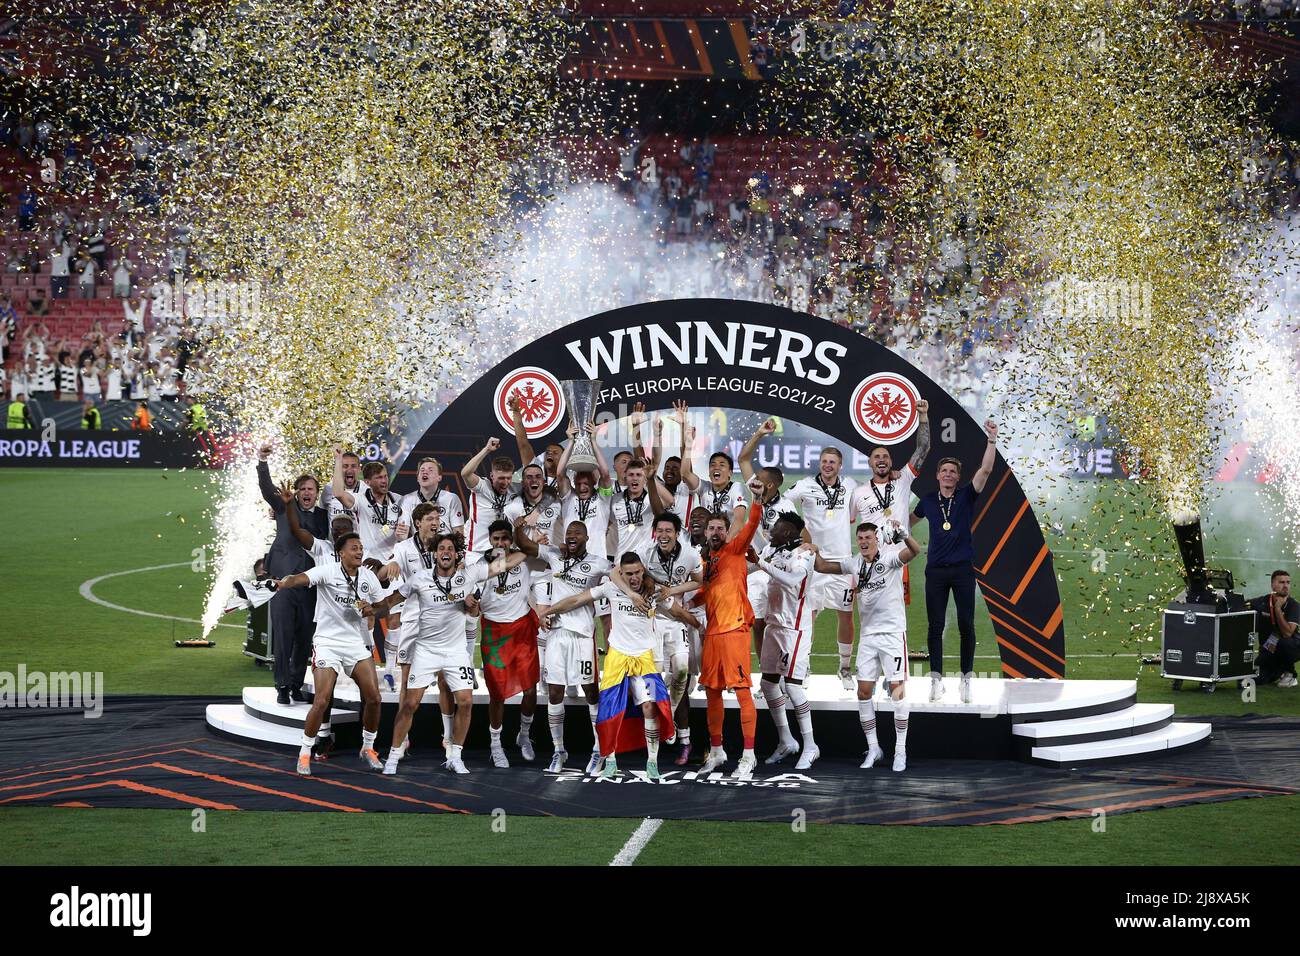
column 292, row 581
column 526, row 453
column 264, row 483
column 507, row 562
column 304, row 537
column 681, row 412
column 910, row 549
column 570, row 603
column 990, row 456
column 922, row 436
column 525, row 543
column 788, row 578
column 751, row 446
column 469, row 474
column 740, row 543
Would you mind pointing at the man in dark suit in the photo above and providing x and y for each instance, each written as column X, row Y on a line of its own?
column 293, row 612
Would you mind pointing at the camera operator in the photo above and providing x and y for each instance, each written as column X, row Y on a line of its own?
column 1277, row 617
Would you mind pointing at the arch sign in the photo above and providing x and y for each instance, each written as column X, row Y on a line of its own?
column 773, row 361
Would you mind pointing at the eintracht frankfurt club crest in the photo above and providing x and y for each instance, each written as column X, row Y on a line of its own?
column 883, row 408
column 540, row 399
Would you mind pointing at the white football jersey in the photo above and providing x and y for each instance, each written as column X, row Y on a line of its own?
column 503, row 597
column 377, row 523
column 879, row 503
column 770, row 513
column 790, row 606
column 672, row 568
column 594, row 513
column 879, row 586
column 723, row 501
column 826, row 513
column 573, row 576
column 633, row 521
column 548, row 509
column 337, row 619
column 632, row 631
column 442, row 604
column 452, row 512
column 683, row 500
column 485, row 506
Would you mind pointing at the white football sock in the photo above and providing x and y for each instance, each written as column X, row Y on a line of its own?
column 867, row 718
column 652, row 737
column 304, row 750
column 446, row 726
column 555, row 717
column 495, row 733
column 680, row 666
column 846, row 653
column 454, row 752
column 802, row 712
column 324, row 731
column 776, row 707
column 368, row 739
column 901, row 712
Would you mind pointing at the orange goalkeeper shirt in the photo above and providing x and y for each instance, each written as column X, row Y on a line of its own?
column 726, row 594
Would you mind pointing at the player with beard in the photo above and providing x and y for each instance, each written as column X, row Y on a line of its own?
column 671, row 562
column 509, row 646
column 548, row 461
column 348, row 464
column 633, row 699
column 633, row 511
column 679, row 482
column 345, row 611
column 439, row 651
column 888, row 495
column 825, row 499
column 571, row 641
column 410, row 557
column 724, row 663
column 451, row 514
column 787, row 641
column 487, row 503
column 774, row 503
column 882, row 622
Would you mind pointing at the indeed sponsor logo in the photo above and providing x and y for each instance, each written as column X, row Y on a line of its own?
column 77, row 909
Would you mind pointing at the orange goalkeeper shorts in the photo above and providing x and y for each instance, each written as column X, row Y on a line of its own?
column 724, row 660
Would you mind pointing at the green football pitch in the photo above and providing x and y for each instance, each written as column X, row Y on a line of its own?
column 102, row 572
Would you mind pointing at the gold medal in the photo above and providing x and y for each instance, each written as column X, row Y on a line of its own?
column 358, row 604
column 501, row 589
column 387, row 529
column 830, row 514
column 947, row 526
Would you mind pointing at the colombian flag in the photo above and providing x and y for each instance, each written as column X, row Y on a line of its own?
column 620, row 725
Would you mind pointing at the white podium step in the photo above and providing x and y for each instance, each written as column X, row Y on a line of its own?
column 1138, row 719
column 1172, row 737
column 233, row 720
column 259, row 702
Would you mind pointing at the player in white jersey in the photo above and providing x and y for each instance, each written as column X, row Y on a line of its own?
column 631, row 682
column 536, row 508
column 787, row 639
column 774, row 503
column 887, row 497
column 347, row 600
column 670, row 561
column 348, row 465
column 548, row 461
column 570, row 641
column 722, row 497
column 487, row 503
column 679, row 482
column 882, row 617
column 510, row 664
column 439, row 650
column 633, row 511
column 825, row 500
column 698, row 539
column 377, row 509
column 410, row 557
column 451, row 513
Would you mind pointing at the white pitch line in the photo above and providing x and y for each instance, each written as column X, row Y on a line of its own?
column 87, row 591
column 636, row 842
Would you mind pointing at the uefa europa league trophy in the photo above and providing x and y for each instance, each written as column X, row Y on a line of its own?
column 581, row 395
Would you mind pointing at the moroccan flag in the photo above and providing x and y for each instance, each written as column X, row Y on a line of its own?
column 510, row 662
column 620, row 725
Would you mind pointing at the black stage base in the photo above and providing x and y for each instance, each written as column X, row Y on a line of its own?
column 157, row 752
